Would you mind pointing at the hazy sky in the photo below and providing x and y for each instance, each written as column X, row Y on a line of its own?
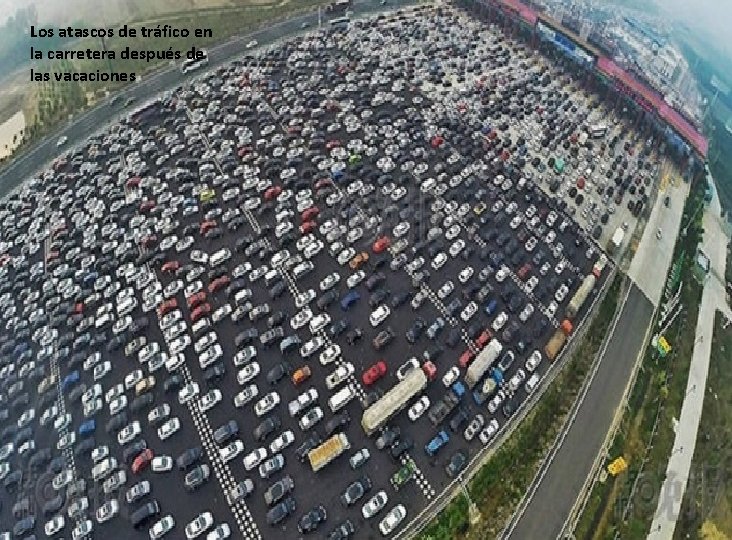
column 713, row 16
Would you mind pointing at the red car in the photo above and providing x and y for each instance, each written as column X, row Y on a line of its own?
column 332, row 144
column 381, row 244
column 170, row 267
column 200, row 311
column 133, row 182
column 272, row 193
column 79, row 308
column 466, row 358
column 323, row 182
column 206, row 226
column 218, row 284
column 374, row 373
column 167, row 307
column 196, row 299
column 310, row 213
column 142, row 460
column 149, row 240
column 146, row 206
column 307, row 227
column 430, row 370
column 483, row 339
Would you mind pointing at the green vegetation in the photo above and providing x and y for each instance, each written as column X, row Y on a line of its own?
column 646, row 433
column 707, row 504
column 498, row 486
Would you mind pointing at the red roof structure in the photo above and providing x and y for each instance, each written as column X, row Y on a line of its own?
column 523, row 11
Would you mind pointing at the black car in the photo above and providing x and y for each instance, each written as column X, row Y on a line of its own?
column 278, row 490
column 189, row 457
column 140, row 516
column 456, row 464
column 173, row 383
column 225, row 432
column 141, row 402
column 327, row 299
column 415, row 331
column 338, row 327
column 246, row 337
column 85, row 447
column 388, row 437
column 312, row 519
column 196, row 477
column 459, row 418
column 404, row 445
column 52, row 506
column 336, row 423
column 215, row 373
column 278, row 372
column 355, row 491
column 279, row 512
column 354, row 335
column 307, row 445
column 117, row 422
column 343, row 531
column 266, row 427
column 133, row 450
column 24, row 526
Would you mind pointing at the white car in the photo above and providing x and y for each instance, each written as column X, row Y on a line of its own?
column 231, row 450
column 500, row 321
column 439, row 261
column 301, row 318
column 247, row 373
column 100, row 370
column 171, row 426
column 117, row 405
column 379, row 315
column 533, row 361
column 209, row 400
column 180, row 344
column 282, row 441
column 319, row 322
column 170, row 319
column 204, row 342
column 267, row 403
column 452, row 375
column 312, row 346
column 329, row 281
column 418, row 408
column 303, row 401
column 199, row 525
column 161, row 464
column 162, row 527
column 468, row 311
column 392, row 520
column 489, row 431
column 188, row 392
column 54, row 525
column 354, row 279
column 128, row 433
column 254, row 458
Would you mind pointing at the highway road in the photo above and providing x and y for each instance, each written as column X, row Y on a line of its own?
column 150, row 86
column 654, row 255
column 545, row 513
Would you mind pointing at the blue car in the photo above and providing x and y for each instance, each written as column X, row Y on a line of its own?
column 491, row 308
column 70, row 380
column 87, row 428
column 437, row 442
column 350, row 299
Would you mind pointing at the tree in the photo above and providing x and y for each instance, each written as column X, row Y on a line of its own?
column 709, row 531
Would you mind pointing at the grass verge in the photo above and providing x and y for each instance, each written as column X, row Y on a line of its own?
column 706, row 511
column 624, row 505
column 498, row 486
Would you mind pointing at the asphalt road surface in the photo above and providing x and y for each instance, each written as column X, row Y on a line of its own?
column 545, row 515
column 150, row 86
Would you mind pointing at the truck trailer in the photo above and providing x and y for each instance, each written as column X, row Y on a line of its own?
column 325, row 453
column 616, row 241
column 578, row 300
column 393, row 401
column 482, row 363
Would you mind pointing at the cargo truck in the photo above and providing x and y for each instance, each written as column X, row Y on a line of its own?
column 616, row 241
column 380, row 412
column 325, row 453
column 482, row 363
column 557, row 341
column 578, row 300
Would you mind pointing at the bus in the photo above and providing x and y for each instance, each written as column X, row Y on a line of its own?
column 194, row 64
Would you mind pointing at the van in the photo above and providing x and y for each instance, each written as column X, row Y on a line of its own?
column 532, row 383
column 271, row 277
column 341, row 398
